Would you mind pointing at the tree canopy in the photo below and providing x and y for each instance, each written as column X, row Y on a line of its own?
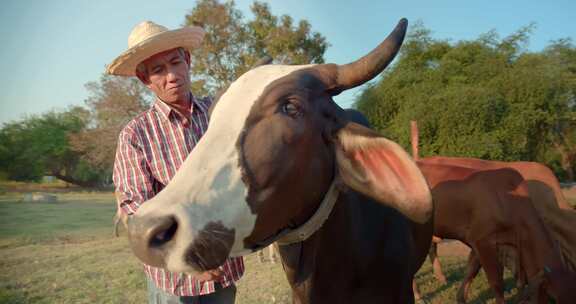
column 487, row 98
column 39, row 146
column 78, row 145
column 112, row 103
column 232, row 44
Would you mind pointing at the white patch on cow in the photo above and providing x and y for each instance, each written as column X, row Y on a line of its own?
column 208, row 187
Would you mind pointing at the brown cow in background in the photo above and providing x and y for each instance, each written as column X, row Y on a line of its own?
column 546, row 196
column 491, row 211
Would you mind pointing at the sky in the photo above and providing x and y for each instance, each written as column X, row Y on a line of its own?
column 51, row 49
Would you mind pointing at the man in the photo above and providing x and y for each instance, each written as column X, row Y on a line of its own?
column 154, row 145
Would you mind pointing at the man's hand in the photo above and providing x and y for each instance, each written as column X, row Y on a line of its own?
column 210, row 275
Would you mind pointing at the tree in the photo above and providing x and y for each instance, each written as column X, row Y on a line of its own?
column 488, row 98
column 231, row 45
column 112, row 103
column 77, row 146
column 562, row 135
column 39, row 145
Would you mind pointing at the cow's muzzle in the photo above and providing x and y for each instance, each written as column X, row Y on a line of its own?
column 155, row 241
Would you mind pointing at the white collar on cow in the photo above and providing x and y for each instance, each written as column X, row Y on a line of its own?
column 305, row 230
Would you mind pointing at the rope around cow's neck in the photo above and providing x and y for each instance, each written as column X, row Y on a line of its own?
column 305, row 230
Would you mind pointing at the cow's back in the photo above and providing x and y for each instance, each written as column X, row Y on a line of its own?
column 537, row 175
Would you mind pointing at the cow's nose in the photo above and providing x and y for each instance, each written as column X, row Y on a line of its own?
column 151, row 238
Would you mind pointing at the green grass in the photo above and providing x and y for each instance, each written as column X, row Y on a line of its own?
column 64, row 252
column 75, row 216
column 572, row 202
column 454, row 268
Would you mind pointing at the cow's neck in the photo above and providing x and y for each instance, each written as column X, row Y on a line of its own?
column 539, row 250
column 298, row 247
column 300, row 260
column 352, row 243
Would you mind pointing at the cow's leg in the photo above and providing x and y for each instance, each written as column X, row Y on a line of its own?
column 272, row 253
column 436, row 266
column 261, row 255
column 519, row 273
column 472, row 269
column 488, row 255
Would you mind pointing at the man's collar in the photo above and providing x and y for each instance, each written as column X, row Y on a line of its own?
column 165, row 109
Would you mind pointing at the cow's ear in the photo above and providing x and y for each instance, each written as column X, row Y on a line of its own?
column 381, row 169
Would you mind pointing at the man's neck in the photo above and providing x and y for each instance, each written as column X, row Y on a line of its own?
column 182, row 106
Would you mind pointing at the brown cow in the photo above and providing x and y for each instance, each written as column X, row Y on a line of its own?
column 560, row 224
column 544, row 190
column 280, row 156
column 491, row 211
column 541, row 182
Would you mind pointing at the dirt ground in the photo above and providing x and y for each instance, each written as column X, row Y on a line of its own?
column 453, row 248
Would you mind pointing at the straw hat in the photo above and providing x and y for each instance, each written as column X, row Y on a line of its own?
column 147, row 39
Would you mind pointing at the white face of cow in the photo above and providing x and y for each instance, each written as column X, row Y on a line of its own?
column 208, row 188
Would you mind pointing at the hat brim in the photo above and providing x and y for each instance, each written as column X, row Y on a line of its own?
column 125, row 64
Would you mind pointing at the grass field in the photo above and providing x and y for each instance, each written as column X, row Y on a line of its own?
column 64, row 252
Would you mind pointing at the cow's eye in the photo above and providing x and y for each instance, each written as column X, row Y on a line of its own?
column 291, row 109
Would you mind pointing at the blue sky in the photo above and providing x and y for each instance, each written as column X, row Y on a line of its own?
column 50, row 49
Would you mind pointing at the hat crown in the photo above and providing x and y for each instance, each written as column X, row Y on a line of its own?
column 147, row 39
column 143, row 31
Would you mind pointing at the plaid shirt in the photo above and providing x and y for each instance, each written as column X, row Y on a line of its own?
column 150, row 150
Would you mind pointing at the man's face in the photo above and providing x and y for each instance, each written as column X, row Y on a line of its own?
column 168, row 75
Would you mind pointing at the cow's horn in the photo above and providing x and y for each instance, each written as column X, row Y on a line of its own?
column 358, row 72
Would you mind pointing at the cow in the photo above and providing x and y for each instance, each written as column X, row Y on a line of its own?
column 544, row 190
column 560, row 225
column 280, row 161
column 543, row 187
column 491, row 211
